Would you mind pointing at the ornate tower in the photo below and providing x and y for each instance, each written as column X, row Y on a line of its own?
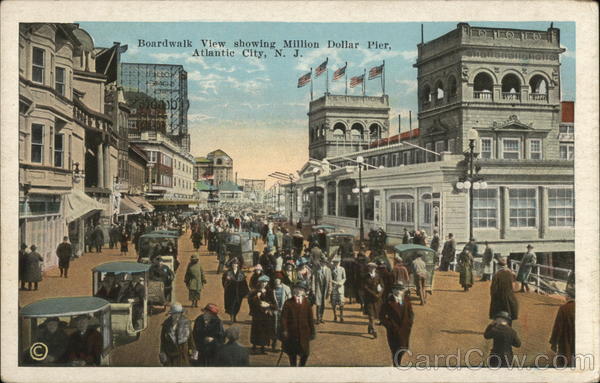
column 339, row 124
column 503, row 83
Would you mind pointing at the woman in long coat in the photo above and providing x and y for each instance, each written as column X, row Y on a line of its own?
column 194, row 280
column 465, row 261
column 33, row 272
column 262, row 330
column 236, row 288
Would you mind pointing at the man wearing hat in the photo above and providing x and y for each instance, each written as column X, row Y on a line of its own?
column 338, row 279
column 321, row 286
column 504, row 337
column 297, row 325
column 502, row 296
column 262, row 331
column 235, row 287
column 84, row 347
column 421, row 275
column 290, row 275
column 562, row 340
column 258, row 272
column 397, row 316
column 194, row 279
column 372, row 292
column 176, row 340
column 64, row 251
column 208, row 334
column 160, row 272
column 527, row 262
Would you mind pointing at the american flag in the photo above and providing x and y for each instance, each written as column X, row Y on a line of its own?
column 354, row 81
column 304, row 80
column 339, row 73
column 375, row 72
column 321, row 68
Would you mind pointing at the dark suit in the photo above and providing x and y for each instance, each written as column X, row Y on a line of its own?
column 505, row 338
column 298, row 328
column 232, row 354
column 86, row 347
column 213, row 329
column 398, row 320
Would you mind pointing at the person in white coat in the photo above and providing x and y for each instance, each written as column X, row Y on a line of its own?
column 338, row 278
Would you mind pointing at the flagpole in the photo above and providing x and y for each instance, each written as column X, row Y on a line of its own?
column 383, row 78
column 311, row 85
column 364, row 81
column 327, row 76
column 346, row 76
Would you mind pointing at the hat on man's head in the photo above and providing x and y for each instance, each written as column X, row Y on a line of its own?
column 211, row 307
column 195, row 257
column 33, row 247
column 176, row 308
column 233, row 261
column 371, row 264
column 258, row 267
column 398, row 286
column 264, row 278
column 503, row 315
column 529, row 246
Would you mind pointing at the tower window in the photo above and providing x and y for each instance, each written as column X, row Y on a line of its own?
column 483, row 86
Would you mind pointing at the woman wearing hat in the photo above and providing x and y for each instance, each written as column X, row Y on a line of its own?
column 262, row 331
column 504, row 337
column 465, row 261
column 397, row 316
column 194, row 280
column 236, row 288
column 176, row 341
column 33, row 272
column 208, row 334
column 52, row 334
column 527, row 262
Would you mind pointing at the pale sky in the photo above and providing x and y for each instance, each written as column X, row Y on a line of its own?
column 252, row 109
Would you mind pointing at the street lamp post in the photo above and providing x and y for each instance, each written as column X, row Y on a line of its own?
column 472, row 180
column 360, row 190
column 315, row 173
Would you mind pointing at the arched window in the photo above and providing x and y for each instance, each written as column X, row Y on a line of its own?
column 452, row 88
column 219, row 161
column 538, row 88
column 375, row 131
column 339, row 130
column 426, row 95
column 483, row 86
column 357, row 130
column 439, row 90
column 402, row 208
column 511, row 87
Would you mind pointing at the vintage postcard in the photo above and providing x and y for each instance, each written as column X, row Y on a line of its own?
column 387, row 191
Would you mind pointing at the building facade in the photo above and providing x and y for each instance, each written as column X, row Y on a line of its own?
column 254, row 189
column 158, row 96
column 494, row 88
column 215, row 169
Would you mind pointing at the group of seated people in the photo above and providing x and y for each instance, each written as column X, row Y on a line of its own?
column 121, row 290
column 152, row 250
column 82, row 347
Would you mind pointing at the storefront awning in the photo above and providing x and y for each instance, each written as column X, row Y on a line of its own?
column 127, row 206
column 78, row 204
column 142, row 203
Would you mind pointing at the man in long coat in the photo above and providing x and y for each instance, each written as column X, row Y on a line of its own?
column 33, row 272
column 64, row 251
column 372, row 291
column 208, row 334
column 338, row 280
column 501, row 292
column 232, row 354
column 98, row 238
column 321, row 287
column 194, row 280
column 527, row 263
column 262, row 330
column 562, row 340
column 236, row 288
column 397, row 316
column 465, row 261
column 448, row 252
column 297, row 325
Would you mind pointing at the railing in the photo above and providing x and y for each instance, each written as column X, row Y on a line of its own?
column 483, row 95
column 511, row 96
column 538, row 97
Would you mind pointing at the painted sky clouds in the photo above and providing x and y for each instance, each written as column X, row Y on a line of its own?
column 252, row 109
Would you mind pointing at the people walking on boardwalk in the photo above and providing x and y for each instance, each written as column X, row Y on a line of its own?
column 124, row 239
column 488, row 262
column 397, row 316
column 502, row 296
column 232, row 354
column 321, row 287
column 208, row 335
column 64, row 252
column 562, row 339
column 528, row 261
column 421, row 276
column 176, row 340
column 194, row 280
column 262, row 330
column 372, row 290
column 22, row 265
column 297, row 325
column 338, row 281
column 400, row 272
column 33, row 271
column 448, row 253
column 504, row 339
column 197, row 239
column 236, row 288
column 221, row 256
column 98, row 238
column 435, row 242
column 465, row 263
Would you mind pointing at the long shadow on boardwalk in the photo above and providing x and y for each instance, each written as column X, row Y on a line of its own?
column 346, row 333
column 462, row 332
